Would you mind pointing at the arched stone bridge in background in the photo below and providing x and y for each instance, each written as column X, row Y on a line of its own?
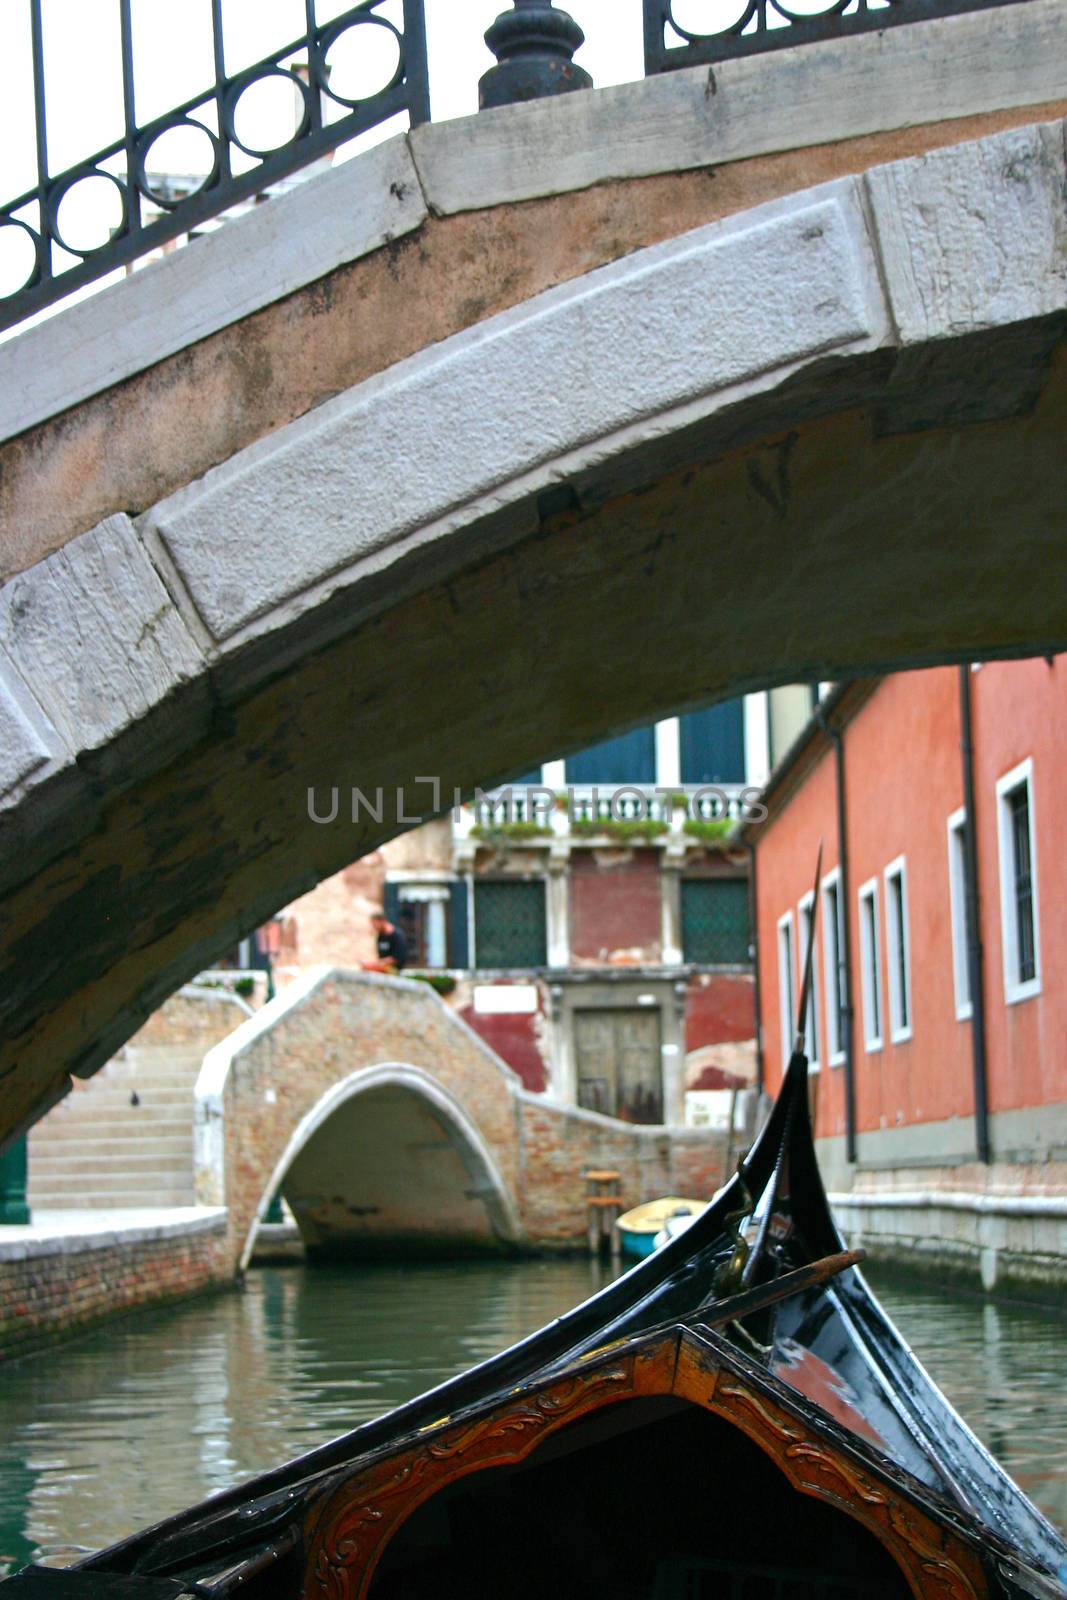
column 387, row 1124
column 509, row 434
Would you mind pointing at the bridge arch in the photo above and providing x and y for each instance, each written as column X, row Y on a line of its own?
column 819, row 437
column 313, row 1165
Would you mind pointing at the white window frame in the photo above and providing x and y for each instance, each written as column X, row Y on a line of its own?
column 812, row 1031
column 787, row 999
column 835, row 1038
column 898, row 944
column 871, row 968
column 1014, row 990
column 956, row 828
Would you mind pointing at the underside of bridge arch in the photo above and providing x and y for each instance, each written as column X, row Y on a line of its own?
column 388, row 1172
column 868, row 508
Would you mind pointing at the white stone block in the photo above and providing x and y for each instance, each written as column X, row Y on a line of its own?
column 95, row 634
column 29, row 746
column 478, row 423
column 974, row 236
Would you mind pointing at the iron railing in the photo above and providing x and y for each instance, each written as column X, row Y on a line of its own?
column 127, row 163
column 754, row 26
column 152, row 209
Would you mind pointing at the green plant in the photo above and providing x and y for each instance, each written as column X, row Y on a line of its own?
column 245, row 987
column 441, row 982
column 509, row 831
column 714, row 832
column 620, row 828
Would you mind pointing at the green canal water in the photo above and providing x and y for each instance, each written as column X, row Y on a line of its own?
column 124, row 1426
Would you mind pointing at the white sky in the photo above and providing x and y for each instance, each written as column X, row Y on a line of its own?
column 173, row 62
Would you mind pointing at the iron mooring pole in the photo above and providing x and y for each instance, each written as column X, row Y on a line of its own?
column 534, row 44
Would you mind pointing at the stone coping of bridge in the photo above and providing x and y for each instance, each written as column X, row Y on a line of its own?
column 951, row 67
column 218, row 1061
column 53, row 1233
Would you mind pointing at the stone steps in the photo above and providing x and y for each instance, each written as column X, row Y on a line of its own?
column 154, row 1155
column 99, row 1128
column 96, row 1149
column 129, row 1199
column 72, row 1181
column 113, row 1094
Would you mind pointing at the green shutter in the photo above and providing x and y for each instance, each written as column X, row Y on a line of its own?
column 715, row 925
column 509, row 923
column 458, row 935
column 391, row 902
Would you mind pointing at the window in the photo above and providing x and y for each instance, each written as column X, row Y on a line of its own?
column 432, row 916
column 805, row 931
column 787, row 995
column 712, row 744
column 715, row 924
column 1018, row 884
column 422, row 913
column 896, row 922
column 961, row 928
column 871, row 966
column 834, row 957
column 631, row 758
column 509, row 923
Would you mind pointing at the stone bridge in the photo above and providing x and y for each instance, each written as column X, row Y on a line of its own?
column 387, row 1124
column 512, row 433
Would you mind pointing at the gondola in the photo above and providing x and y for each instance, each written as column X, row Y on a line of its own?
column 735, row 1417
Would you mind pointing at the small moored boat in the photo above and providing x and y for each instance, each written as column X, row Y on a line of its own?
column 640, row 1227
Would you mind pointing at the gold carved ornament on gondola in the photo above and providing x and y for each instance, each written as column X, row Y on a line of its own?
column 350, row 1530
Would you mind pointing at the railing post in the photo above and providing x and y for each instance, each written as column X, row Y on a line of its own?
column 534, row 44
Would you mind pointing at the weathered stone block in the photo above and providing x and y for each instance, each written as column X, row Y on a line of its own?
column 974, row 236
column 29, row 744
column 578, row 372
column 95, row 633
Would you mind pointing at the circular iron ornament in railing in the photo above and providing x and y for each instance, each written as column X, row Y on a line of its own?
column 36, row 271
column 240, row 86
column 828, row 8
column 330, row 36
column 147, row 141
column 56, row 196
column 749, row 9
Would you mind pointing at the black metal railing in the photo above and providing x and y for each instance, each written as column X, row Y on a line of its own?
column 152, row 211
column 751, row 27
column 534, row 42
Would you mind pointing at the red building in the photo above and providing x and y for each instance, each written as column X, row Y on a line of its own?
column 940, row 1084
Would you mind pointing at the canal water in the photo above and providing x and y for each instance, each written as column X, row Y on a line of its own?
column 151, row 1414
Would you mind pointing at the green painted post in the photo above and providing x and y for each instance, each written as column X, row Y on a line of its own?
column 13, row 1169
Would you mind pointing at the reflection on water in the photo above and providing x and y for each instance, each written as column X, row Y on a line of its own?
column 130, row 1424
column 1004, row 1367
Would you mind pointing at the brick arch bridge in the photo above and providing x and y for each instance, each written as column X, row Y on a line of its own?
column 512, row 433
column 387, row 1123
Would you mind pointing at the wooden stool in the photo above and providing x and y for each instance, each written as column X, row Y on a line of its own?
column 604, row 1205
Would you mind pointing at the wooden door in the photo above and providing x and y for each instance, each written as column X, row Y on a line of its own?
column 619, row 1062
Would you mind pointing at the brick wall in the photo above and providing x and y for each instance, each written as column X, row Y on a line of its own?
column 54, row 1288
column 615, row 906
column 559, row 1143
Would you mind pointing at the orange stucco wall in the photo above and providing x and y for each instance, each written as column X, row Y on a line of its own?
column 903, row 780
column 1020, row 710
